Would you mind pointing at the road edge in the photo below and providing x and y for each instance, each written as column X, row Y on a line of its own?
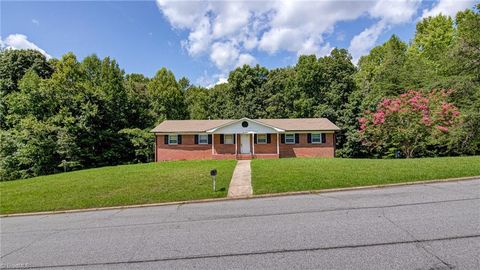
column 270, row 195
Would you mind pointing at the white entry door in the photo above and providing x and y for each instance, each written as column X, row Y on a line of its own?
column 245, row 144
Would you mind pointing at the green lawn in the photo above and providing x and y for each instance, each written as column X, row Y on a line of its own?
column 297, row 174
column 119, row 185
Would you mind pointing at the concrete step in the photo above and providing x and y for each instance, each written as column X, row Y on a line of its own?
column 244, row 156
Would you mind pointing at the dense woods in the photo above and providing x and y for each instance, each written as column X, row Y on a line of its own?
column 415, row 99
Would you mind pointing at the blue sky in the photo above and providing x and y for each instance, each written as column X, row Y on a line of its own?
column 204, row 41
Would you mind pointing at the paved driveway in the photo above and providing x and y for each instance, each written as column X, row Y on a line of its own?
column 433, row 226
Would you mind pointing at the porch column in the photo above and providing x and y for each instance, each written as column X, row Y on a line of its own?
column 278, row 145
column 213, row 145
column 236, row 144
column 253, row 143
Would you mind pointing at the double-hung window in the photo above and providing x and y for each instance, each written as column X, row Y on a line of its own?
column 290, row 138
column 316, row 137
column 228, row 139
column 173, row 139
column 203, row 139
column 261, row 138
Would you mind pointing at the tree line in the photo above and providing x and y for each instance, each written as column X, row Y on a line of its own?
column 66, row 114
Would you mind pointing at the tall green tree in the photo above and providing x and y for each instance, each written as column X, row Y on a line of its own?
column 433, row 37
column 197, row 100
column 245, row 85
column 382, row 73
column 14, row 64
column 139, row 111
column 27, row 150
column 167, row 99
column 279, row 87
column 219, row 100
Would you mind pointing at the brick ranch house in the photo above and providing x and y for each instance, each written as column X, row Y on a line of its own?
column 244, row 139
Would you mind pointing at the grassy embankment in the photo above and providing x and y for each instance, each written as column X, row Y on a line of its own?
column 118, row 185
column 300, row 174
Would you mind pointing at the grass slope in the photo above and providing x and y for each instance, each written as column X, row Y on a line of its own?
column 297, row 174
column 119, row 185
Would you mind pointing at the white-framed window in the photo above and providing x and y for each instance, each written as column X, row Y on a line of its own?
column 290, row 138
column 316, row 137
column 228, row 139
column 173, row 139
column 203, row 139
column 261, row 138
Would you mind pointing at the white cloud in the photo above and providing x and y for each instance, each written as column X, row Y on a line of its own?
column 395, row 11
column 231, row 31
column 245, row 59
column 363, row 42
column 230, row 18
column 389, row 13
column 448, row 7
column 228, row 31
column 19, row 41
column 200, row 38
column 35, row 21
column 210, row 81
column 224, row 54
column 182, row 14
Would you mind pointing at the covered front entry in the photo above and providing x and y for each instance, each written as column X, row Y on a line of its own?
column 245, row 143
column 253, row 139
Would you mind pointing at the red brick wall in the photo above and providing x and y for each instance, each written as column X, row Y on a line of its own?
column 223, row 148
column 305, row 149
column 269, row 148
column 189, row 150
column 186, row 151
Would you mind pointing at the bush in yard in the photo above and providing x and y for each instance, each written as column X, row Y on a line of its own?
column 413, row 123
column 142, row 142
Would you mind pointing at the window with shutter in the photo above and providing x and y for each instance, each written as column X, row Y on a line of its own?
column 290, row 138
column 203, row 139
column 261, row 138
column 173, row 139
column 228, row 139
column 316, row 138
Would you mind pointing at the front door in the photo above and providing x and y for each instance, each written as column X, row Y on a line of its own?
column 245, row 144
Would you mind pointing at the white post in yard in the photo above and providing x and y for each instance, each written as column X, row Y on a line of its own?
column 213, row 143
column 253, row 143
column 278, row 145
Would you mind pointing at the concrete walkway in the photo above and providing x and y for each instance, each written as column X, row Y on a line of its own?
column 241, row 183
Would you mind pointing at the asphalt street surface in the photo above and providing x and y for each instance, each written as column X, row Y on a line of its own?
column 429, row 226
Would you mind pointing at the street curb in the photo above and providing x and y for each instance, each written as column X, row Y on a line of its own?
column 270, row 195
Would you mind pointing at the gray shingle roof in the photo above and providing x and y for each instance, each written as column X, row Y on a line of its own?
column 200, row 126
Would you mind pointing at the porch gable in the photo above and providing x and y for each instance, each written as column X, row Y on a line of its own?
column 243, row 126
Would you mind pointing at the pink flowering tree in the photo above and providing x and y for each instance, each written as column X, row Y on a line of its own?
column 410, row 123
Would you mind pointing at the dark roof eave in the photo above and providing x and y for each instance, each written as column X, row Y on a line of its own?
column 204, row 131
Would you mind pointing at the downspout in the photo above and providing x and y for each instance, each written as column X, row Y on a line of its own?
column 155, row 152
column 334, row 143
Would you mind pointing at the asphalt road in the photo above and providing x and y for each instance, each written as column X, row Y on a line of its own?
column 434, row 226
